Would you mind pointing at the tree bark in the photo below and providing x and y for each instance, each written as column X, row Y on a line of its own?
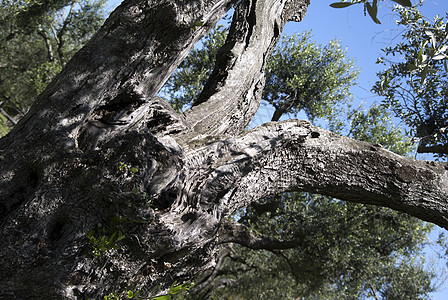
column 98, row 147
column 278, row 113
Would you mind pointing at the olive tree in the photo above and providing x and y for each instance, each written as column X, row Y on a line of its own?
column 414, row 85
column 104, row 187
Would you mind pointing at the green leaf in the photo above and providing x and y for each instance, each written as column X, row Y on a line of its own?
column 196, row 24
column 341, row 4
column 111, row 238
column 130, row 294
column 176, row 289
column 431, row 37
column 120, row 236
column 163, row 297
column 404, row 2
column 173, row 285
column 424, row 74
column 411, row 67
column 420, row 57
column 373, row 10
column 439, row 56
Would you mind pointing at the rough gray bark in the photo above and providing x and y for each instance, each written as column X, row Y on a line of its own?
column 99, row 145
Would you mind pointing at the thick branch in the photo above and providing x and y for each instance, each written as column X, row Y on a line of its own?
column 278, row 113
column 206, row 283
column 123, row 66
column 232, row 94
column 440, row 149
column 47, row 41
column 296, row 156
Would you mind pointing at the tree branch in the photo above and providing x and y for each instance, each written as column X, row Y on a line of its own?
column 440, row 149
column 234, row 89
column 372, row 288
column 124, row 65
column 59, row 36
column 296, row 156
column 232, row 232
column 205, row 285
column 47, row 41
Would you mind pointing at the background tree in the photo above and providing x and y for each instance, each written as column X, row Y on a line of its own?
column 37, row 39
column 342, row 250
column 303, row 76
column 415, row 84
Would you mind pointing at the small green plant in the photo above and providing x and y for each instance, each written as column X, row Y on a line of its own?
column 174, row 289
column 112, row 296
column 130, row 294
column 103, row 239
column 122, row 166
column 140, row 194
column 197, row 24
column 125, row 168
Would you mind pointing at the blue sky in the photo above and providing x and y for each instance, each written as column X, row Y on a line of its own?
column 364, row 40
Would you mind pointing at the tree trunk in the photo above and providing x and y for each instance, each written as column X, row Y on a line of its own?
column 98, row 147
column 278, row 112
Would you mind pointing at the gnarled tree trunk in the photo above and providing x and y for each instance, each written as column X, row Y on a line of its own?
column 98, row 147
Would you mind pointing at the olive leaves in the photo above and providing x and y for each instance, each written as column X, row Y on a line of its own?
column 371, row 7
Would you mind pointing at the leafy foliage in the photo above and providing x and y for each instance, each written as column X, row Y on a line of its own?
column 301, row 75
column 344, row 251
column 37, row 39
column 415, row 86
column 375, row 125
column 29, row 14
column 105, row 238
